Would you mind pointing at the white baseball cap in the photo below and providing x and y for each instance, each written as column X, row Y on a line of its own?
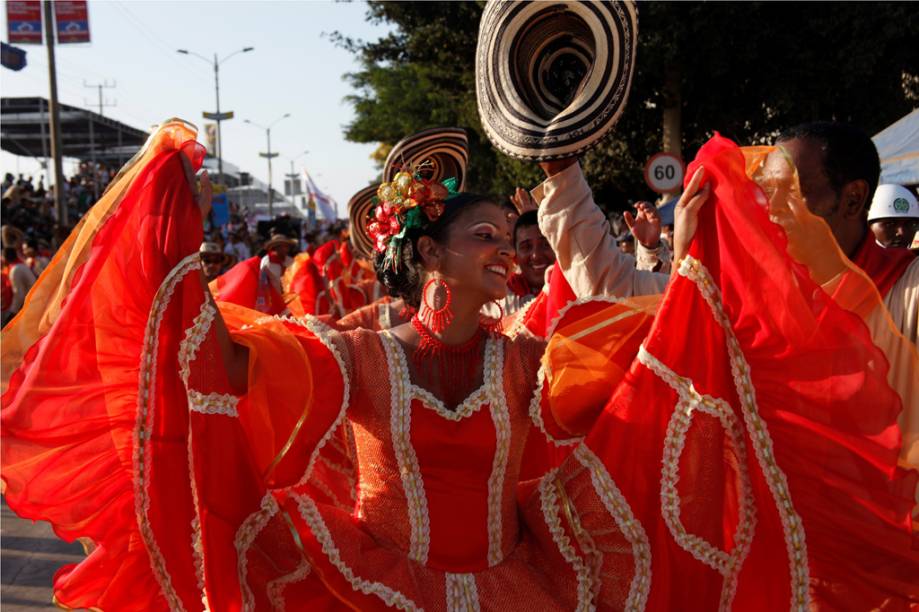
column 892, row 201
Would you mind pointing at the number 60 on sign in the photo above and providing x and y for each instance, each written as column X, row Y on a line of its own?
column 664, row 172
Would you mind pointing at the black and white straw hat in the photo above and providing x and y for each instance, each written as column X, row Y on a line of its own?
column 552, row 78
column 435, row 153
column 360, row 206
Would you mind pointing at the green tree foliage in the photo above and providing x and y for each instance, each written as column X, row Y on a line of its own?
column 747, row 70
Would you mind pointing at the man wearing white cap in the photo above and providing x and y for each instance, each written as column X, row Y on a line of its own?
column 894, row 216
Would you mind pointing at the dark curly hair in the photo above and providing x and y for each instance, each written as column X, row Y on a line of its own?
column 406, row 283
column 848, row 153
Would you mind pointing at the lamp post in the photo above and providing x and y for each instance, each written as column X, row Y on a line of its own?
column 269, row 155
column 217, row 116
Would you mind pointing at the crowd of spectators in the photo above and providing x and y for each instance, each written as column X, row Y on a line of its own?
column 31, row 234
column 242, row 240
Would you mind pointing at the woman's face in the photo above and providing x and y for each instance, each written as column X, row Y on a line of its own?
column 478, row 253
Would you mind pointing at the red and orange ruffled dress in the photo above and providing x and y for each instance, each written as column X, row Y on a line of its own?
column 731, row 463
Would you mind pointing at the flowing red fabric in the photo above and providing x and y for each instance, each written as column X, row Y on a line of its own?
column 325, row 256
column 543, row 314
column 748, row 460
column 244, row 285
column 69, row 410
column 883, row 266
column 347, row 257
column 760, row 450
column 540, row 454
column 303, row 280
column 100, row 436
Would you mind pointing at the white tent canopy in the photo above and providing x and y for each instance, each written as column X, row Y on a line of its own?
column 898, row 147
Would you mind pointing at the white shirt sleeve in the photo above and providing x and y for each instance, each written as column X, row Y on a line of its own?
column 903, row 303
column 579, row 233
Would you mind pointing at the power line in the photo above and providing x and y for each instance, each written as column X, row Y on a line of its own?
column 155, row 41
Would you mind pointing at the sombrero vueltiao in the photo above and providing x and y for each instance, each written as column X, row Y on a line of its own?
column 436, row 153
column 552, row 78
column 359, row 208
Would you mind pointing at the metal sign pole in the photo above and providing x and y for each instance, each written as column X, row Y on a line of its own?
column 60, row 205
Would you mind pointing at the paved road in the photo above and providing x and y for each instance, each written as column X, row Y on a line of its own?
column 30, row 553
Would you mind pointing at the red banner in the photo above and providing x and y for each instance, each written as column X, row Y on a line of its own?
column 72, row 20
column 23, row 22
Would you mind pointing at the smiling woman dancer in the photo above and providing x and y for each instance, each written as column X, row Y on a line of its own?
column 200, row 447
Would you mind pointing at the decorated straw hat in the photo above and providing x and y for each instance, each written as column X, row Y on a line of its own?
column 552, row 78
column 435, row 154
column 360, row 207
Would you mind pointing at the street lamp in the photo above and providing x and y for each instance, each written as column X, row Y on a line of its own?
column 269, row 155
column 217, row 116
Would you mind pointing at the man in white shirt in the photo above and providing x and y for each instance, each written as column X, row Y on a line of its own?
column 236, row 247
column 578, row 232
column 21, row 280
column 277, row 260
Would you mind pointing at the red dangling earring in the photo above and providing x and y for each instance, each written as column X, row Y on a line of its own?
column 493, row 326
column 436, row 319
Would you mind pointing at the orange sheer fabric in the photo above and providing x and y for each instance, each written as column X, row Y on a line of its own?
column 756, row 434
column 45, row 300
column 588, row 354
column 811, row 243
column 80, row 380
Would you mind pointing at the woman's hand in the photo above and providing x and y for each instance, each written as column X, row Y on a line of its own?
column 523, row 201
column 205, row 194
column 645, row 224
column 686, row 215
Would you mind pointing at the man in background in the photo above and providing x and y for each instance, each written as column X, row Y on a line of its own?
column 838, row 170
column 894, row 216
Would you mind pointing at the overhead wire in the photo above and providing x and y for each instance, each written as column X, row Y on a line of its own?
column 163, row 46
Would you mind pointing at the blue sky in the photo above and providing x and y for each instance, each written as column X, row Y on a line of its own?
column 294, row 69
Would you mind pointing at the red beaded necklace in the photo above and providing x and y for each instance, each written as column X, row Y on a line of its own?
column 456, row 363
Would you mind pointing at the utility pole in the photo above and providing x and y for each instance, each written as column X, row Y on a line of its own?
column 100, row 87
column 293, row 176
column 42, row 121
column 92, row 128
column 60, row 206
column 269, row 155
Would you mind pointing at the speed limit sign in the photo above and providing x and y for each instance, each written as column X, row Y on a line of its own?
column 664, row 172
